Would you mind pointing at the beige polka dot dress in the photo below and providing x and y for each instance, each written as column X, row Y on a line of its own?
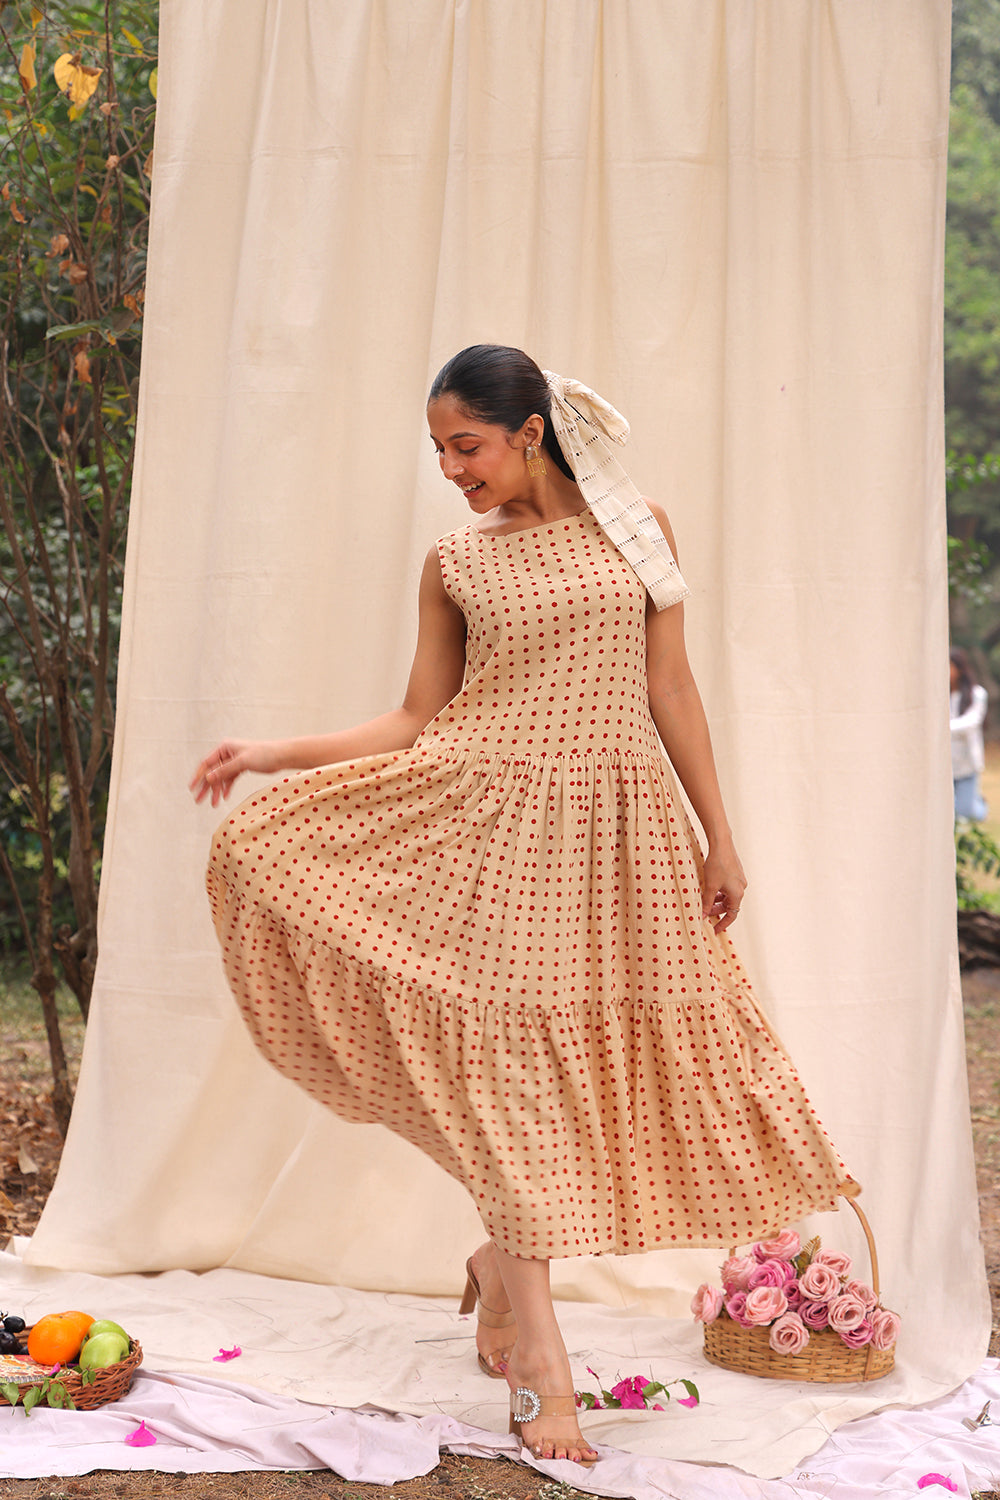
column 492, row 942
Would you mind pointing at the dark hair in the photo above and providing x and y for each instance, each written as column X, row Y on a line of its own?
column 966, row 676
column 503, row 386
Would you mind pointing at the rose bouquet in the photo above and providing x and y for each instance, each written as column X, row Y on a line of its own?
column 797, row 1292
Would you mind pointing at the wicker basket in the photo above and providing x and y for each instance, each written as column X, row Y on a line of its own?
column 107, row 1385
column 825, row 1358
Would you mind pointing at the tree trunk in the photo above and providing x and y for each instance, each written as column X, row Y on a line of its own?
column 44, row 981
column 979, row 939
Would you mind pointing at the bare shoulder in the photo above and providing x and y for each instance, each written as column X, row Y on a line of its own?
column 660, row 516
column 432, row 577
column 434, row 596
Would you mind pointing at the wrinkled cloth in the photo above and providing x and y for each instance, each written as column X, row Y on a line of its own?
column 205, row 1426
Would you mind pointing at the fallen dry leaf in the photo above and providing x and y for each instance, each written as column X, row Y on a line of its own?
column 26, row 1162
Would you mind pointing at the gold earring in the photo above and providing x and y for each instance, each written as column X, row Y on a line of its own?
column 536, row 462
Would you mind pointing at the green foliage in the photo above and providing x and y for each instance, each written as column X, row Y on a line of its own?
column 972, row 269
column 972, row 331
column 48, row 1392
column 975, row 851
column 968, row 563
column 78, row 89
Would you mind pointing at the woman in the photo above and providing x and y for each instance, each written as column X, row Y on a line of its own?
column 485, row 921
column 968, row 714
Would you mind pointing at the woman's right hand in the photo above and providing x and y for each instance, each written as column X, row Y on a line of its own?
column 215, row 776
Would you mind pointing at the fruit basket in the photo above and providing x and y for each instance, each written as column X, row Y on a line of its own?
column 85, row 1389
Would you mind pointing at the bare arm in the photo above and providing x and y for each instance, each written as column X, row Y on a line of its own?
column 435, row 678
column 679, row 716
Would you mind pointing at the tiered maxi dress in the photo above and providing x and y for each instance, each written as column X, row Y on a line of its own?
column 492, row 942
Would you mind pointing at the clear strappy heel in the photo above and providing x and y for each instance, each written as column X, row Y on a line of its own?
column 472, row 1298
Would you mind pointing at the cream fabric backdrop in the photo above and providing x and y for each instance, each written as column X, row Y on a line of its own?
column 725, row 216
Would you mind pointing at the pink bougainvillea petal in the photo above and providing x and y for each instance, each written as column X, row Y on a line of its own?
column 141, row 1437
column 942, row 1479
column 224, row 1354
column 687, row 1400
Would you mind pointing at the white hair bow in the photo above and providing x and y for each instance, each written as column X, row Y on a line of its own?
column 586, row 425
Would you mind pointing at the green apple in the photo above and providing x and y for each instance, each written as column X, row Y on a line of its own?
column 102, row 1350
column 104, row 1325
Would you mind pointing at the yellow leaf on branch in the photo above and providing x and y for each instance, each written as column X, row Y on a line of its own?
column 26, row 67
column 36, row 16
column 153, row 80
column 75, row 78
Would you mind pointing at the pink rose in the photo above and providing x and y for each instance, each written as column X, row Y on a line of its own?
column 764, row 1304
column 846, row 1313
column 795, row 1297
column 815, row 1315
column 819, row 1282
column 707, row 1303
column 835, row 1259
column 736, row 1307
column 857, row 1338
column 885, row 1328
column 863, row 1292
column 785, row 1247
column 789, row 1335
column 736, row 1271
column 771, row 1273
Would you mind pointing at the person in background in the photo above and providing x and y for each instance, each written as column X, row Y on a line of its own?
column 968, row 714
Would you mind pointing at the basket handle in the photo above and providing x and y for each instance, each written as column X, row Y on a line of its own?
column 872, row 1255
column 849, row 1192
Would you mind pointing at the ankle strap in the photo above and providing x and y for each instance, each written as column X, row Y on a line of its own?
column 527, row 1406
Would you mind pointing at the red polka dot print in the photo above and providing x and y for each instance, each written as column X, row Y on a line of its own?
column 492, row 944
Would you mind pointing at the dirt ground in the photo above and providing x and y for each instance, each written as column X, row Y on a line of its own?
column 29, row 1157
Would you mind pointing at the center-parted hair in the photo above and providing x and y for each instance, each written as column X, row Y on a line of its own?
column 502, row 386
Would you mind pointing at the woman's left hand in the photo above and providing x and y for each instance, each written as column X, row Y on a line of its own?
column 722, row 885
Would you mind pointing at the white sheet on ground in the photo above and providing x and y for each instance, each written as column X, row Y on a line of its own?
column 307, row 1348
column 338, row 1347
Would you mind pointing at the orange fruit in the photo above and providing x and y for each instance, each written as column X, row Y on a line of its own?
column 57, row 1338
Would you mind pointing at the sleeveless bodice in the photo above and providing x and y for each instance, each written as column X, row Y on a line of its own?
column 557, row 611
